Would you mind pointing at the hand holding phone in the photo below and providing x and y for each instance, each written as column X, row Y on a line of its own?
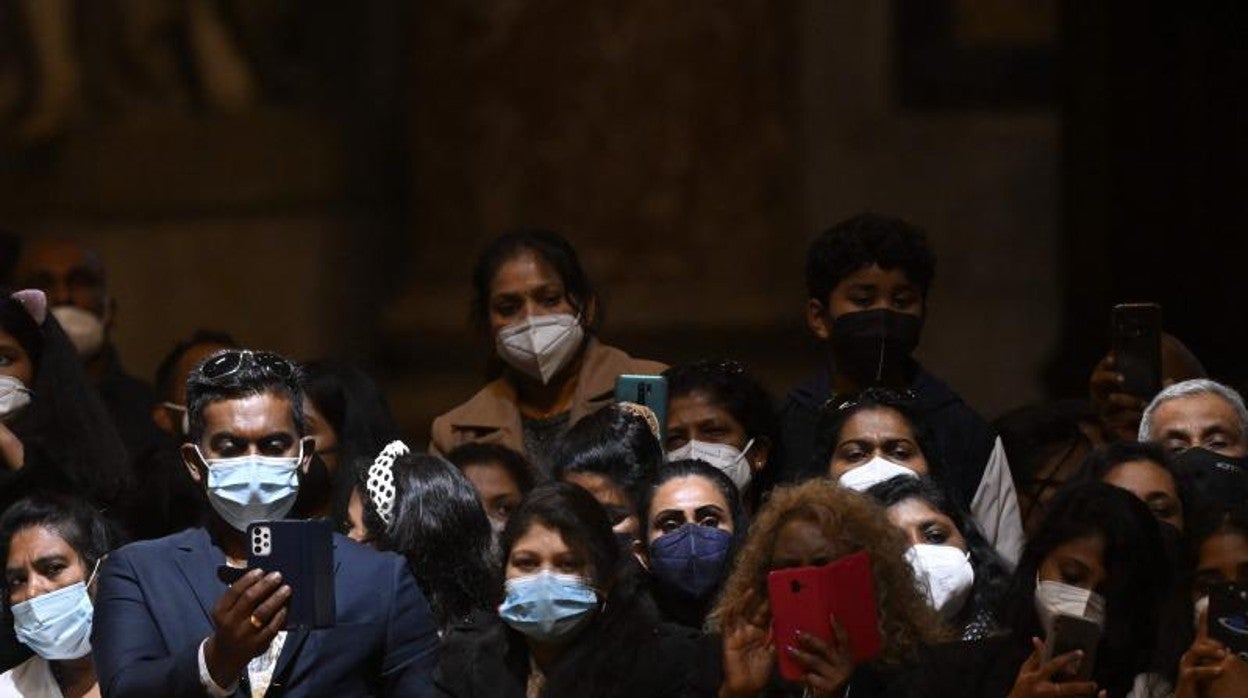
column 1071, row 634
column 1136, row 330
column 805, row 601
column 1227, row 619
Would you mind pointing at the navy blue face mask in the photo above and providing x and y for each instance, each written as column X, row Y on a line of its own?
column 691, row 560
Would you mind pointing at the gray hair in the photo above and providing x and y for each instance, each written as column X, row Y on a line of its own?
column 1188, row 388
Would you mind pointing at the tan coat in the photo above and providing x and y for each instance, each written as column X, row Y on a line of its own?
column 492, row 416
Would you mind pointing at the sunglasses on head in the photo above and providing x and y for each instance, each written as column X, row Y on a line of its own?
column 901, row 397
column 230, row 361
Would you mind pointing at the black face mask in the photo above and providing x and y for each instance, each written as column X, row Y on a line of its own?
column 1215, row 479
column 869, row 345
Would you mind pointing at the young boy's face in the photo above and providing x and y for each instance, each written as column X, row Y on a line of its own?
column 873, row 288
column 869, row 288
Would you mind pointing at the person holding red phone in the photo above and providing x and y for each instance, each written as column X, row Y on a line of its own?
column 806, row 526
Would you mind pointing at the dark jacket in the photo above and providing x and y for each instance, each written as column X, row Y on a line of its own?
column 154, row 608
column 489, row 660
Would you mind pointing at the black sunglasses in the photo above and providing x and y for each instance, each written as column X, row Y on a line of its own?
column 230, row 361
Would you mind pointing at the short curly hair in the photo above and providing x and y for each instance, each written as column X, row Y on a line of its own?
column 866, row 239
column 906, row 622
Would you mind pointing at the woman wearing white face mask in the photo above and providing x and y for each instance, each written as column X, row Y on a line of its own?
column 534, row 302
column 1098, row 555
column 52, row 548
column 717, row 413
column 963, row 577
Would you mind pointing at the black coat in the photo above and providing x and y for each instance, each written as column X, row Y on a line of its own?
column 490, row 660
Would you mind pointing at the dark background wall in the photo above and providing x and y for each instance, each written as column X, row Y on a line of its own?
column 316, row 177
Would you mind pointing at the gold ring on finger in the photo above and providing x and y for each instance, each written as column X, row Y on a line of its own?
column 256, row 622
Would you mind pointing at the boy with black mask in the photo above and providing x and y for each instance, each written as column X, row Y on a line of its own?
column 867, row 279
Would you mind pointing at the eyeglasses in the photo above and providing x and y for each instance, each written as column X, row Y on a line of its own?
column 231, row 361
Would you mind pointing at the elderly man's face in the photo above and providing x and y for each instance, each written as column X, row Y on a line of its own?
column 1206, row 420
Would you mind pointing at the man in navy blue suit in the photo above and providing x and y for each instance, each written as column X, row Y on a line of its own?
column 165, row 625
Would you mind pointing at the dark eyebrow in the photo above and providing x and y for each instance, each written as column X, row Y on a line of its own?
column 707, row 509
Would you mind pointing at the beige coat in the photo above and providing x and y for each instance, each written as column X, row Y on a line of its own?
column 492, row 416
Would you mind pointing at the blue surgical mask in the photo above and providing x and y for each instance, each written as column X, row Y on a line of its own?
column 252, row 488
column 56, row 625
column 546, row 606
column 691, row 559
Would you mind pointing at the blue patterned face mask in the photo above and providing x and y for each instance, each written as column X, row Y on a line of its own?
column 547, row 606
column 56, row 625
column 691, row 559
column 250, row 488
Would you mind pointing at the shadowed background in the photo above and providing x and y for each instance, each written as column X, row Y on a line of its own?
column 317, row 177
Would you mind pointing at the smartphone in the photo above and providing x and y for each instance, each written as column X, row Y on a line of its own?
column 801, row 602
column 1070, row 633
column 1227, row 620
column 650, row 391
column 1136, row 330
column 806, row 598
column 303, row 551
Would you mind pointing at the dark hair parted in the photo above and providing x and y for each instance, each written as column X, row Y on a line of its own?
column 603, row 656
column 78, row 523
column 1137, row 581
column 1105, row 459
column 852, row 522
column 614, row 443
column 864, row 240
column 550, row 248
column 694, row 469
column 198, row 338
column 992, row 574
column 250, row 379
column 835, row 413
column 439, row 526
column 476, row 453
column 728, row 384
column 69, row 437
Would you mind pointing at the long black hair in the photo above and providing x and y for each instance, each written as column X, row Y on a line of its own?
column 992, row 574
column 1137, row 581
column 614, row 442
column 66, row 423
column 439, row 526
column 1104, row 459
column 77, row 523
column 602, row 660
column 357, row 410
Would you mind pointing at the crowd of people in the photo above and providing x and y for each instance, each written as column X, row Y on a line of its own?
column 552, row 540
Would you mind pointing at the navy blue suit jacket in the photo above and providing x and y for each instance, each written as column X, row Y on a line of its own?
column 154, row 607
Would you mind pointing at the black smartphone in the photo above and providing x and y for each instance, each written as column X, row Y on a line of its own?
column 1136, row 329
column 1070, row 633
column 303, row 551
column 1227, row 620
column 650, row 391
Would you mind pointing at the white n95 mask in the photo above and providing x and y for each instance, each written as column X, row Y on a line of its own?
column 541, row 345
column 873, row 472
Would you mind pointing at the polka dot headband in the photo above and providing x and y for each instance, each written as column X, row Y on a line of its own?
column 380, row 483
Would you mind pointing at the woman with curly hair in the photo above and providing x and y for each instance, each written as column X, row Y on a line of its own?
column 814, row 524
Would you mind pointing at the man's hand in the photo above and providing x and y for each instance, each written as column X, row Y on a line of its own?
column 12, row 452
column 1118, row 410
column 247, row 618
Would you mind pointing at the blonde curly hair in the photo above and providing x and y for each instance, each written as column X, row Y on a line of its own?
column 849, row 519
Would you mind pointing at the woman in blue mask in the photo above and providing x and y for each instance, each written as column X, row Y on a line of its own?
column 52, row 547
column 1097, row 556
column 572, row 620
column 693, row 523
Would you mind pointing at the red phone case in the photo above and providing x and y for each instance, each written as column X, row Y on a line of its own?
column 804, row 598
